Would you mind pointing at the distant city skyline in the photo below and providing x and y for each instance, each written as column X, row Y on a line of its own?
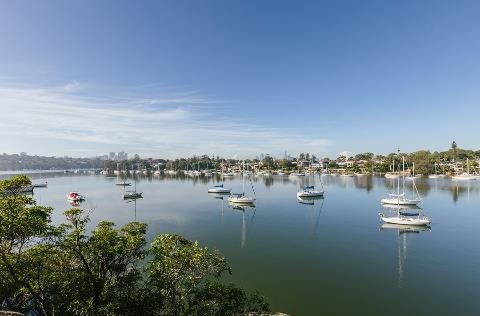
column 169, row 79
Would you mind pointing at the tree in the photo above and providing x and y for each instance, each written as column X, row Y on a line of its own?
column 454, row 148
column 47, row 269
column 23, row 225
column 185, row 276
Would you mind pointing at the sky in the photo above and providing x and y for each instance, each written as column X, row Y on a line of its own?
column 238, row 78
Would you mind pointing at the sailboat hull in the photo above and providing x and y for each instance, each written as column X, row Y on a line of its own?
column 219, row 190
column 399, row 220
column 402, row 201
column 241, row 200
column 309, row 193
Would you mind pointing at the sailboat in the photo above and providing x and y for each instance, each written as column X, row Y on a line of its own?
column 124, row 183
column 309, row 191
column 241, row 198
column 132, row 194
column 219, row 188
column 40, row 185
column 435, row 175
column 400, row 198
column 392, row 175
column 413, row 176
column 404, row 217
column 466, row 176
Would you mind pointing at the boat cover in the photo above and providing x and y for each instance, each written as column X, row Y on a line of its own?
column 409, row 214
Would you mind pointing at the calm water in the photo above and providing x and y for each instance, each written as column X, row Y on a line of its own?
column 332, row 257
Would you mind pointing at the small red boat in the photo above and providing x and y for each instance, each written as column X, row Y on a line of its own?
column 75, row 197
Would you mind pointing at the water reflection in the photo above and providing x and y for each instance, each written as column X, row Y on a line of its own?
column 133, row 202
column 403, row 231
column 246, row 228
column 316, row 204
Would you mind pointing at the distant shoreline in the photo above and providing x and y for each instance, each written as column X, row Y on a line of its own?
column 13, row 172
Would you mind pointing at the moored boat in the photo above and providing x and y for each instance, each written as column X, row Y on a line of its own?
column 309, row 191
column 410, row 220
column 219, row 189
column 75, row 197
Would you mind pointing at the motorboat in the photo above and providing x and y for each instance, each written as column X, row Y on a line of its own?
column 75, row 197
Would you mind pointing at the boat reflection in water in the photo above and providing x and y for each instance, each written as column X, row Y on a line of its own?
column 245, row 228
column 134, row 202
column 402, row 238
column 316, row 211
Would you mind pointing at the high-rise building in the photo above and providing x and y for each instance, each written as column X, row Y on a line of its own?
column 121, row 155
column 112, row 155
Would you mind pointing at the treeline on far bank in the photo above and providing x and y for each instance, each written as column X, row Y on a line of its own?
column 426, row 162
column 48, row 269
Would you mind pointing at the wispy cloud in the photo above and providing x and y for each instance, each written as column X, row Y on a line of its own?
column 163, row 124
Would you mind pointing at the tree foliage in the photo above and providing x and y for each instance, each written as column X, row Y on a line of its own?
column 47, row 269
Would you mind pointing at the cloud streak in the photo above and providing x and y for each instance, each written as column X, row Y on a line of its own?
column 167, row 125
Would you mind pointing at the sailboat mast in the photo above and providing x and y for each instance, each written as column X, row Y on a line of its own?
column 403, row 172
column 243, row 176
column 398, row 178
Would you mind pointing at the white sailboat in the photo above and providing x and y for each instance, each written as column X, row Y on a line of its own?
column 403, row 217
column 413, row 176
column 298, row 174
column 309, row 191
column 392, row 175
column 466, row 176
column 434, row 175
column 241, row 198
column 219, row 188
column 400, row 198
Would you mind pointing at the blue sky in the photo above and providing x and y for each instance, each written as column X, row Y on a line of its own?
column 237, row 78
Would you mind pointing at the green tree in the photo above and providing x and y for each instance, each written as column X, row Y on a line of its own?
column 47, row 269
column 185, row 276
column 23, row 225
